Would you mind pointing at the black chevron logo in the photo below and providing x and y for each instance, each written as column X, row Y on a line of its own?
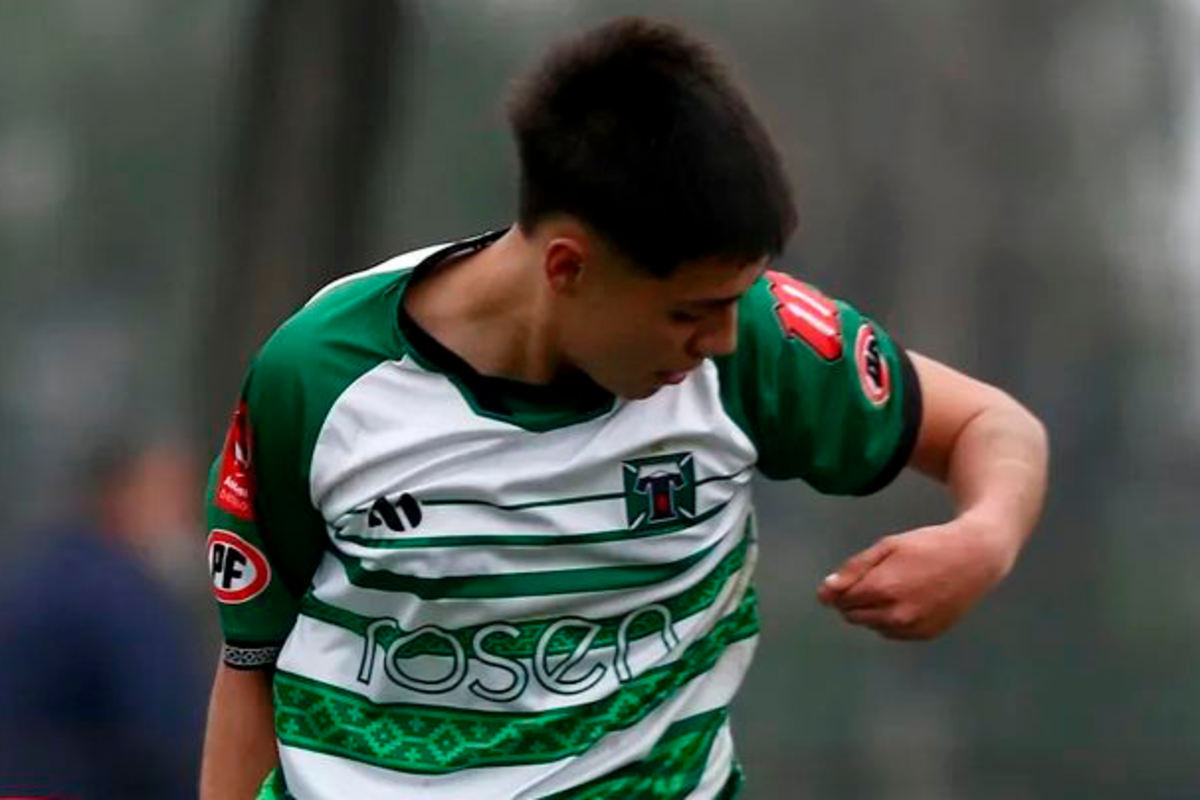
column 394, row 513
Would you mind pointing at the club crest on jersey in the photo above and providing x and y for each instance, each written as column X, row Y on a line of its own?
column 239, row 571
column 873, row 373
column 806, row 314
column 235, row 483
column 659, row 490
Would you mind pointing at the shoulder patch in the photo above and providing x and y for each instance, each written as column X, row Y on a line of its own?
column 808, row 315
column 238, row 569
column 873, row 373
column 235, row 482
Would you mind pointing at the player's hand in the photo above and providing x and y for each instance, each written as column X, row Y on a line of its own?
column 917, row 584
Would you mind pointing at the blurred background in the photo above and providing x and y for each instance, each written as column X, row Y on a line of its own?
column 1013, row 188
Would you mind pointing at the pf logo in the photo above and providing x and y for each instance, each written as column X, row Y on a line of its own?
column 873, row 372
column 239, row 570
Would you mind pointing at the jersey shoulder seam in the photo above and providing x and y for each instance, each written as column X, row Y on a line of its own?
column 400, row 263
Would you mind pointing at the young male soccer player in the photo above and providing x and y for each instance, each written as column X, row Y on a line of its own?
column 483, row 521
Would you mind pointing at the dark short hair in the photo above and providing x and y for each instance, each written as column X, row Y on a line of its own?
column 636, row 129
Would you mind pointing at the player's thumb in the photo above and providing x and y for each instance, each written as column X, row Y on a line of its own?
column 853, row 569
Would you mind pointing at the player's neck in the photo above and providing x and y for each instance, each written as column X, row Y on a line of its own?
column 489, row 309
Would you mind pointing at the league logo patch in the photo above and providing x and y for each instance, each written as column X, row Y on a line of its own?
column 235, row 483
column 238, row 569
column 807, row 314
column 873, row 373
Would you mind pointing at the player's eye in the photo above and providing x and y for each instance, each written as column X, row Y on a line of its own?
column 684, row 317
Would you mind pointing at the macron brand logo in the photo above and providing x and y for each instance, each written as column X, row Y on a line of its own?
column 385, row 515
column 238, row 569
column 393, row 514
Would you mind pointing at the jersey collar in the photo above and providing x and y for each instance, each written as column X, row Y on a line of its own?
column 567, row 400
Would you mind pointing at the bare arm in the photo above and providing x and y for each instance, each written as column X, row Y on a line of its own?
column 992, row 455
column 239, row 744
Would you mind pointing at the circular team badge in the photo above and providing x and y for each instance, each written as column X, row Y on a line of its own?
column 873, row 373
column 238, row 569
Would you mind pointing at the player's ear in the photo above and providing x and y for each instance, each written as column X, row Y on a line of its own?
column 564, row 261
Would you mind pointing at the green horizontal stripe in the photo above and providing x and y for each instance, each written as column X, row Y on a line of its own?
column 729, row 477
column 557, row 501
column 672, row 769
column 435, row 740
column 519, row 584
column 535, row 540
column 692, row 600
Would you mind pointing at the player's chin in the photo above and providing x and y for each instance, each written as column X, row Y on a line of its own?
column 639, row 393
column 639, row 390
column 643, row 388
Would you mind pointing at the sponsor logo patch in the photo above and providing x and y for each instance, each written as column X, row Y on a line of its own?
column 238, row 569
column 873, row 373
column 806, row 314
column 235, row 483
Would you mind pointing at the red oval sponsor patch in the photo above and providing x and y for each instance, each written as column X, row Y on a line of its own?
column 873, row 373
column 239, row 571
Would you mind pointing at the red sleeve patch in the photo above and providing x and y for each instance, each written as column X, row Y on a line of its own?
column 873, row 372
column 235, row 482
column 808, row 315
column 239, row 571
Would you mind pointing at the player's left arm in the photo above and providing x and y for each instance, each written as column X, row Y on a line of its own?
column 992, row 455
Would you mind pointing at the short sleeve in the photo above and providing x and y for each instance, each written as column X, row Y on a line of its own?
column 824, row 393
column 265, row 537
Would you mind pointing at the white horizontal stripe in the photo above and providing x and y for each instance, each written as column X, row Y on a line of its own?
column 590, row 514
column 594, row 512
column 821, row 308
column 446, row 562
column 339, row 657
column 313, row 776
column 331, row 585
column 808, row 317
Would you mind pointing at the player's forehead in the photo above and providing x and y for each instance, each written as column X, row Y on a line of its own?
column 713, row 280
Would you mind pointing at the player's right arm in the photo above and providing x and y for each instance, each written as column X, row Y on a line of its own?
column 239, row 744
column 829, row 397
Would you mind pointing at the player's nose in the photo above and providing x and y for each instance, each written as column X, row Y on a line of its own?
column 719, row 336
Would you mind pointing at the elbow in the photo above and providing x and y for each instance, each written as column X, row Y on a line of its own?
column 1033, row 430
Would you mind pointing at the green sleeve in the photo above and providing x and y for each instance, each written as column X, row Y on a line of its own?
column 824, row 393
column 266, row 538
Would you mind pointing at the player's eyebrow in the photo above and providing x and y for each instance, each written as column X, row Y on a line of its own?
column 720, row 302
column 714, row 302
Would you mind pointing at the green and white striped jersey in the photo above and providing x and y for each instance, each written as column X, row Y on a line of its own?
column 476, row 588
